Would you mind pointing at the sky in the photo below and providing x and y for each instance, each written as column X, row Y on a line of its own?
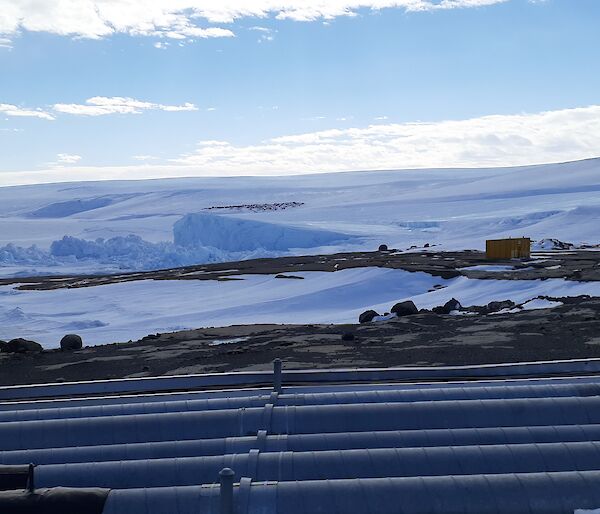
column 93, row 89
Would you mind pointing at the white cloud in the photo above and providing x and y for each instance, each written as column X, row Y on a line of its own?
column 178, row 19
column 101, row 105
column 498, row 140
column 15, row 110
column 144, row 157
column 265, row 34
column 65, row 158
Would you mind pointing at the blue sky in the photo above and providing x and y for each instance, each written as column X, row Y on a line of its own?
column 304, row 86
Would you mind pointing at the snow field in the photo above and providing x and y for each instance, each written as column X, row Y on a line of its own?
column 131, row 310
column 163, row 223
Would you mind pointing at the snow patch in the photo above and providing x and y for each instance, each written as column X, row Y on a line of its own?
column 490, row 267
column 321, row 297
column 385, row 317
column 540, row 303
column 219, row 342
column 550, row 244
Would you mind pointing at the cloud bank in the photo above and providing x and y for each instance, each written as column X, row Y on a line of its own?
column 499, row 140
column 183, row 19
column 489, row 141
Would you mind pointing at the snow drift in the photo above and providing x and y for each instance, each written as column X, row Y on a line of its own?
column 240, row 235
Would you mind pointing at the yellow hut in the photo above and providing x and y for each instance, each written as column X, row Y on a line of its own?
column 518, row 248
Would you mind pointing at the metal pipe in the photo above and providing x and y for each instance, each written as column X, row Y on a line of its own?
column 31, row 479
column 307, row 419
column 305, row 443
column 226, row 477
column 534, row 493
column 253, row 378
column 329, row 464
column 277, row 378
column 97, row 400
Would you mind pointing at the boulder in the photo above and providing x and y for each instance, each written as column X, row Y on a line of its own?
column 20, row 345
column 498, row 306
column 448, row 307
column 71, row 342
column 347, row 336
column 3, row 346
column 405, row 308
column 383, row 248
column 452, row 305
column 367, row 316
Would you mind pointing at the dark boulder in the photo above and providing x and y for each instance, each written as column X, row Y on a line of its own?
column 20, row 345
column 383, row 248
column 347, row 336
column 498, row 306
column 448, row 307
column 71, row 342
column 3, row 346
column 367, row 316
column 405, row 308
column 295, row 277
column 426, row 245
column 452, row 305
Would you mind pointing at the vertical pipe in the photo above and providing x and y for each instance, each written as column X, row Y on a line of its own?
column 30, row 480
column 277, row 381
column 226, row 476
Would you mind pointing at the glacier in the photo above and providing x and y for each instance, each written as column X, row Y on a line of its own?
column 97, row 227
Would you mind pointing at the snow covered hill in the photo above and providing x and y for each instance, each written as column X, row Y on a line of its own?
column 455, row 208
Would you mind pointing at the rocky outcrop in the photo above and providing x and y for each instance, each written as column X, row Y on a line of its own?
column 20, row 345
column 493, row 307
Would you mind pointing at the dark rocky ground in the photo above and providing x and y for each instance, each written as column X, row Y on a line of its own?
column 573, row 265
column 567, row 332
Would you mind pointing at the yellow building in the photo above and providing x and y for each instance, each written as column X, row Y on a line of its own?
column 518, row 248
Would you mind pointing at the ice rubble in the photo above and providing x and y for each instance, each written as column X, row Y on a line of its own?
column 239, row 235
column 198, row 238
